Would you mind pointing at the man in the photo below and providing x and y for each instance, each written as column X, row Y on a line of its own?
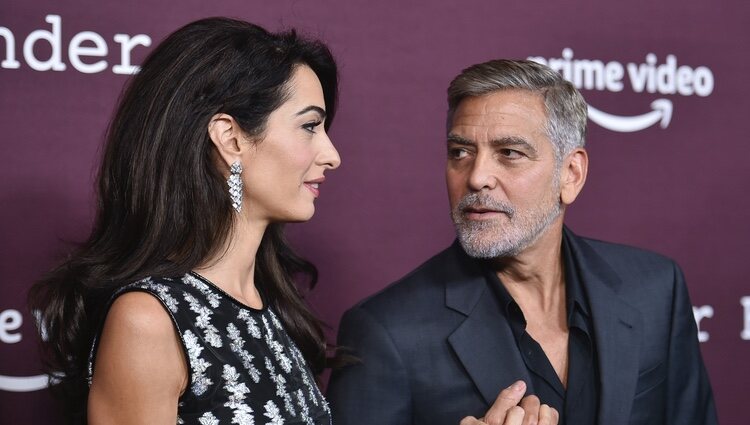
column 603, row 333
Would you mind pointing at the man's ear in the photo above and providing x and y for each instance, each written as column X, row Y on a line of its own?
column 226, row 136
column 573, row 175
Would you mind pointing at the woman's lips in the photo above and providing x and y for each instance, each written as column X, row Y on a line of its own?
column 314, row 188
column 314, row 185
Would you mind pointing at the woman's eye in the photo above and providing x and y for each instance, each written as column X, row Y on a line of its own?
column 311, row 126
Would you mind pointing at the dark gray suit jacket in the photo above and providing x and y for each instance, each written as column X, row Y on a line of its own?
column 435, row 346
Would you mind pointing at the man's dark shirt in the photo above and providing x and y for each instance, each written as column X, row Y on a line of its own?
column 577, row 405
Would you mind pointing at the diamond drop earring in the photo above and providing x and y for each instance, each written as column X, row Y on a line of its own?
column 235, row 185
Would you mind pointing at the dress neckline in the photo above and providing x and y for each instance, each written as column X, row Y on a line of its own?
column 231, row 298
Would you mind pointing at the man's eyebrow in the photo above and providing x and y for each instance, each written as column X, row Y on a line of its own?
column 511, row 141
column 317, row 109
column 454, row 138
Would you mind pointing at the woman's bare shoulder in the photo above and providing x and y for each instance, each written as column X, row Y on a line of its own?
column 140, row 368
column 140, row 314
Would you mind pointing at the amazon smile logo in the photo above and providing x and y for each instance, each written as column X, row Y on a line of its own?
column 10, row 333
column 22, row 384
column 665, row 78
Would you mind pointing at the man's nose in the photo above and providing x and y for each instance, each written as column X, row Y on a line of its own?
column 482, row 174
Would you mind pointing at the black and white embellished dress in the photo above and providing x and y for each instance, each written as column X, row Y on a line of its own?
column 243, row 367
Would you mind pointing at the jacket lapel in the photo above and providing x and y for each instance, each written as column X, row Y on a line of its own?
column 617, row 331
column 483, row 342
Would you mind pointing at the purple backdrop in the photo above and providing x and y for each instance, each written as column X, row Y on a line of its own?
column 675, row 182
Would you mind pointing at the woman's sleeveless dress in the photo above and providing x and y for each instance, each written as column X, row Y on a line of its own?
column 243, row 367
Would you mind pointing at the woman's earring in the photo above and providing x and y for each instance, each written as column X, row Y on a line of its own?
column 235, row 185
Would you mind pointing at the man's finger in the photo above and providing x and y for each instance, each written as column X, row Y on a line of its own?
column 515, row 416
column 471, row 420
column 530, row 405
column 548, row 415
column 507, row 399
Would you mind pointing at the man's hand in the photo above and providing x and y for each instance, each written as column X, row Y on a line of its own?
column 511, row 408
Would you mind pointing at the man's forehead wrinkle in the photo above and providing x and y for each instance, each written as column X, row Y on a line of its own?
column 489, row 119
column 493, row 129
column 481, row 120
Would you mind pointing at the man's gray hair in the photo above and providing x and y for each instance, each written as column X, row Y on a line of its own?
column 565, row 108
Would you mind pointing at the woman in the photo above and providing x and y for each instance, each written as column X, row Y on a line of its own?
column 181, row 307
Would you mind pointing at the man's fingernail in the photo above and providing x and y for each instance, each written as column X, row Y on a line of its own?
column 517, row 386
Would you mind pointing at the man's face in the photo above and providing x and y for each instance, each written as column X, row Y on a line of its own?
column 503, row 180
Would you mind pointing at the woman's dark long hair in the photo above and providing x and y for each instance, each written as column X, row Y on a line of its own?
column 163, row 207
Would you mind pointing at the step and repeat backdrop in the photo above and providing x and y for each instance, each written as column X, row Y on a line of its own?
column 666, row 83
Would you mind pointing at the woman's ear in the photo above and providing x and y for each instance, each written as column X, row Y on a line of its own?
column 573, row 175
column 226, row 136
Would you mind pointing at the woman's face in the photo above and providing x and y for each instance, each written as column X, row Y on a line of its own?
column 283, row 171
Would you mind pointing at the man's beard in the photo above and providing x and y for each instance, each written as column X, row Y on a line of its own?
column 492, row 239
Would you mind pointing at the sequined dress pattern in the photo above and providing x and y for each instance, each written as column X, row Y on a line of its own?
column 244, row 367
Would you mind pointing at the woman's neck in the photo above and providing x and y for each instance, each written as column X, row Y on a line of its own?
column 233, row 267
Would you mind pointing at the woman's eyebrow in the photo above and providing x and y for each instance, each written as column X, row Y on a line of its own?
column 315, row 108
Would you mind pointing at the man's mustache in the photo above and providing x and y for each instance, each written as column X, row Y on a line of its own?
column 484, row 202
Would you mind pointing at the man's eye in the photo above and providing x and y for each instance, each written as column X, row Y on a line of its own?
column 511, row 153
column 457, row 153
column 311, row 126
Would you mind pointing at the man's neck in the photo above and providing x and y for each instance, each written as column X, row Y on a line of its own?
column 536, row 275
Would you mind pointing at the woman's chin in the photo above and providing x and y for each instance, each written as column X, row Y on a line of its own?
column 298, row 216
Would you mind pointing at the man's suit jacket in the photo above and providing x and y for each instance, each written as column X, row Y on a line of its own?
column 435, row 346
